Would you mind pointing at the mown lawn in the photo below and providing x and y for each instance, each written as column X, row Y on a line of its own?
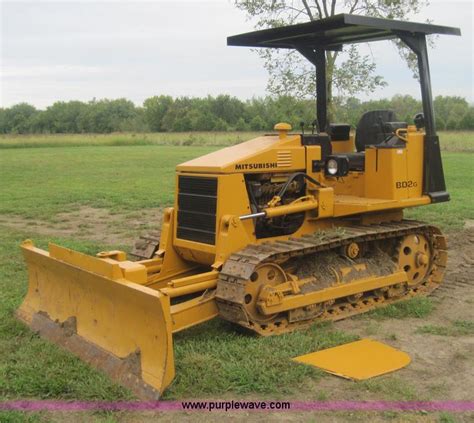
column 458, row 170
column 40, row 182
column 212, row 359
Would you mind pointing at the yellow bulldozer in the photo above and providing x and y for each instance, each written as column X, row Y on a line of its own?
column 272, row 234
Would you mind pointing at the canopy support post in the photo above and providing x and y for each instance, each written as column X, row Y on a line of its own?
column 433, row 176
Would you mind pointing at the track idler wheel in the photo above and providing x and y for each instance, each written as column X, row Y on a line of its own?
column 266, row 274
column 414, row 257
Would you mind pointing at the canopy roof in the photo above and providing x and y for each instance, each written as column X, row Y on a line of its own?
column 331, row 33
column 312, row 39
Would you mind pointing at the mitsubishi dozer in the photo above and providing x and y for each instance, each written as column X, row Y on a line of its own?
column 273, row 234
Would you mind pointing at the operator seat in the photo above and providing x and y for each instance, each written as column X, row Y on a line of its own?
column 371, row 128
column 375, row 128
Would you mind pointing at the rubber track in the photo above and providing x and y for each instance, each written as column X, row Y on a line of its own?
column 240, row 266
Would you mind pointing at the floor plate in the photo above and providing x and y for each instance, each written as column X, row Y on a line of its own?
column 357, row 360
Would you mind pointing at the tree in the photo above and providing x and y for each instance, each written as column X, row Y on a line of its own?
column 177, row 116
column 62, row 117
column 227, row 108
column 467, row 122
column 257, row 123
column 241, row 125
column 203, row 114
column 291, row 74
column 450, row 111
column 3, row 121
column 155, row 110
column 105, row 116
column 405, row 107
column 18, row 118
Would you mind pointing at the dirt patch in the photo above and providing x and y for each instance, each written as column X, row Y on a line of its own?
column 468, row 224
column 89, row 223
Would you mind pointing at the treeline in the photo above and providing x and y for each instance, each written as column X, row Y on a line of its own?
column 221, row 113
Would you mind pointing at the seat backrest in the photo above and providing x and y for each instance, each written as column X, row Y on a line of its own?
column 370, row 129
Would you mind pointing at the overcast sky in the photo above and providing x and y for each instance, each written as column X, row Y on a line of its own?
column 78, row 50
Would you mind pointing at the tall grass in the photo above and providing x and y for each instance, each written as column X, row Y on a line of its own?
column 456, row 141
column 127, row 139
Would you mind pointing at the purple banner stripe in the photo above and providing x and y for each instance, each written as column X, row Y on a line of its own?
column 48, row 405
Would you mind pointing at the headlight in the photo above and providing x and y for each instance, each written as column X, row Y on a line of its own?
column 331, row 167
column 337, row 165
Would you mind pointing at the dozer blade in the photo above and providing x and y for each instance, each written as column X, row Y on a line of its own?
column 86, row 305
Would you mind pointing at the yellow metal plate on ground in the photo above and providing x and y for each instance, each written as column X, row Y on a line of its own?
column 357, row 360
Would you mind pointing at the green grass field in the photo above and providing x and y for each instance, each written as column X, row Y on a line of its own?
column 124, row 177
column 41, row 182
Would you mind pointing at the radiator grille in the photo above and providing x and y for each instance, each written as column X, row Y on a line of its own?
column 197, row 202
